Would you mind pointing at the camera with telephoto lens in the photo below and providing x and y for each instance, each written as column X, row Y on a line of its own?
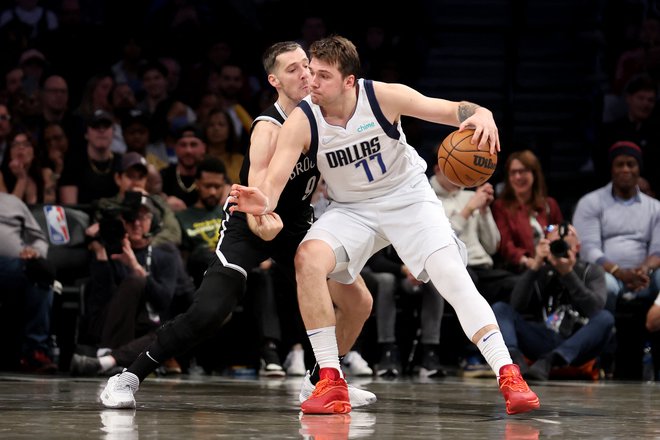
column 111, row 227
column 559, row 248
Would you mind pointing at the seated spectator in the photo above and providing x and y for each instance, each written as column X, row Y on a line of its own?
column 638, row 125
column 57, row 146
column 89, row 175
column 523, row 210
column 234, row 90
column 135, row 129
column 556, row 316
column 394, row 277
column 22, row 173
column 179, row 179
column 221, row 142
column 200, row 224
column 96, row 96
column 166, row 113
column 620, row 229
column 26, row 282
column 55, row 110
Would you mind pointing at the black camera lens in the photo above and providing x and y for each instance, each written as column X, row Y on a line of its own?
column 559, row 248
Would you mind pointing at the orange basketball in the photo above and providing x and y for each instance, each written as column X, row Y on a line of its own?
column 461, row 161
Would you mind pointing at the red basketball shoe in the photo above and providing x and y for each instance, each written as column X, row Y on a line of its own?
column 330, row 396
column 519, row 398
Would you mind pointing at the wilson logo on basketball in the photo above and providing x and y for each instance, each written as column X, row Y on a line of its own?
column 484, row 162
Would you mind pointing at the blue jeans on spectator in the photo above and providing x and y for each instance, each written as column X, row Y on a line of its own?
column 535, row 340
column 37, row 303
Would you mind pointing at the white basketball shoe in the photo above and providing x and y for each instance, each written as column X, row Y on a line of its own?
column 120, row 391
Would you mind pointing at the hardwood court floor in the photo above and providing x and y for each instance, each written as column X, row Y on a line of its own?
column 205, row 407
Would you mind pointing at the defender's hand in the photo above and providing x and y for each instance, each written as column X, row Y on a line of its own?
column 248, row 199
column 265, row 226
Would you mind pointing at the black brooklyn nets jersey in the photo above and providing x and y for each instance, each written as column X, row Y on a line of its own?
column 296, row 196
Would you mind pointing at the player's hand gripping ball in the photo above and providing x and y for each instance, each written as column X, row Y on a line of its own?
column 462, row 162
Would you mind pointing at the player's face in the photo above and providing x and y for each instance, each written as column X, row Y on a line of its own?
column 327, row 82
column 293, row 74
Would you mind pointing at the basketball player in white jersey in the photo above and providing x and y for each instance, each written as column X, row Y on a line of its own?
column 379, row 195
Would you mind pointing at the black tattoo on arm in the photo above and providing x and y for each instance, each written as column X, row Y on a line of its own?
column 465, row 110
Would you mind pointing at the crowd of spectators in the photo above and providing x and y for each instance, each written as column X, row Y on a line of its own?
column 163, row 109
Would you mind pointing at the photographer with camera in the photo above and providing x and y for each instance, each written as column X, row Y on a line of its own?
column 132, row 283
column 556, row 316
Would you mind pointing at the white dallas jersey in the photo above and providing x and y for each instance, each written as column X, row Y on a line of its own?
column 367, row 159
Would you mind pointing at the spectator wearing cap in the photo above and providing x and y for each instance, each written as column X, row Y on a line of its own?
column 179, row 180
column 132, row 176
column 136, row 130
column 620, row 229
column 89, row 175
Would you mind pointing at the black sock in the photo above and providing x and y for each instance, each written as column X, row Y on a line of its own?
column 146, row 363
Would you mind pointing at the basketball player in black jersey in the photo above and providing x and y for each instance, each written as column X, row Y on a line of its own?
column 246, row 240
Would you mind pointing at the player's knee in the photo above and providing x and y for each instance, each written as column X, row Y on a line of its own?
column 313, row 256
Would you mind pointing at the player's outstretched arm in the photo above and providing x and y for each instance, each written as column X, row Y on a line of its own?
column 293, row 139
column 399, row 99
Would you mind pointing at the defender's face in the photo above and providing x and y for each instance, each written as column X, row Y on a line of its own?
column 293, row 74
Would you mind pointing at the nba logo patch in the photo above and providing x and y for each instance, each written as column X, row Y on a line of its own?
column 58, row 230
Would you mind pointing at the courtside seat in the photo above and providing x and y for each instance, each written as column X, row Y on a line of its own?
column 69, row 257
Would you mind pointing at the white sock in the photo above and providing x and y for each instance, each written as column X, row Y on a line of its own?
column 494, row 350
column 324, row 344
column 107, row 362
